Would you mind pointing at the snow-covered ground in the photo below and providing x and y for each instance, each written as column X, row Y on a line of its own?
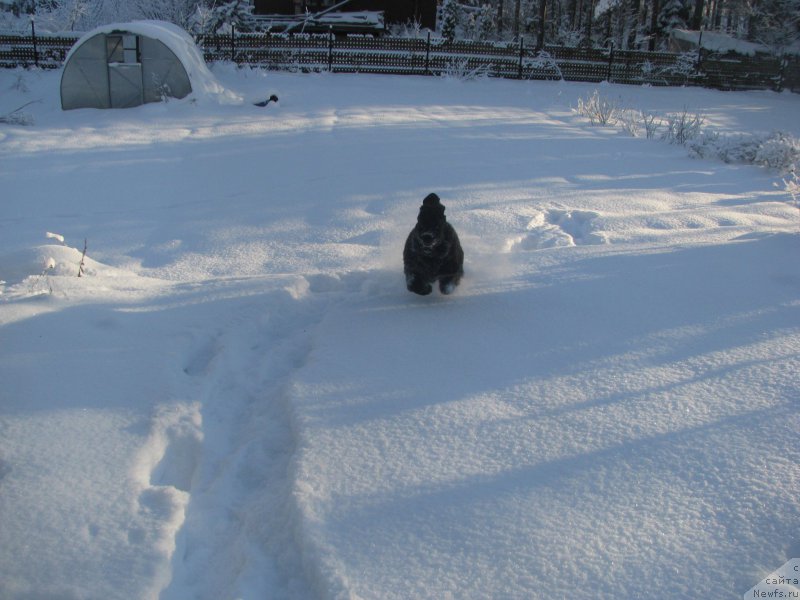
column 239, row 398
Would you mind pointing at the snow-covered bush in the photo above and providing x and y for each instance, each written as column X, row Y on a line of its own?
column 543, row 61
column 631, row 122
column 599, row 110
column 685, row 64
column 651, row 123
column 778, row 150
column 634, row 122
column 605, row 111
column 682, row 127
column 460, row 69
column 792, row 185
column 408, row 30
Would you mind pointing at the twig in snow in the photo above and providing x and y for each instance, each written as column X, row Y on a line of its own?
column 792, row 185
column 83, row 257
column 17, row 118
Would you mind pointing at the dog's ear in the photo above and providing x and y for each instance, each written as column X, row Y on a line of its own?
column 431, row 200
column 431, row 212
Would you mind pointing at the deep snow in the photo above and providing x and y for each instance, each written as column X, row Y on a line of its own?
column 240, row 399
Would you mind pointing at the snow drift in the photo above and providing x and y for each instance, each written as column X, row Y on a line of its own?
column 239, row 399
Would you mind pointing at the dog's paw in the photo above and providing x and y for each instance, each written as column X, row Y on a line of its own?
column 418, row 286
column 423, row 289
column 447, row 288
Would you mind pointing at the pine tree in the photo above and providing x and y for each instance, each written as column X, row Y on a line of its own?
column 673, row 16
column 450, row 13
column 484, row 28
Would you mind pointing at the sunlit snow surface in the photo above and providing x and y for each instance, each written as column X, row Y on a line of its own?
column 239, row 398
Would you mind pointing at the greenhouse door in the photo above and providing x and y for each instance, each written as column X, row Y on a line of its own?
column 124, row 71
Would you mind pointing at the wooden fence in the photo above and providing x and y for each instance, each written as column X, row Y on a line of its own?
column 362, row 54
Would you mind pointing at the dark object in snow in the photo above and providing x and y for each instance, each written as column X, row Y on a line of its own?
column 432, row 251
column 272, row 98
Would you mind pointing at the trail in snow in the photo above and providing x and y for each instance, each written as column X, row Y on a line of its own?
column 240, row 518
column 233, row 450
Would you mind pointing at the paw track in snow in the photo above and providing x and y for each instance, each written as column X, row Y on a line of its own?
column 199, row 362
column 179, row 463
column 174, row 447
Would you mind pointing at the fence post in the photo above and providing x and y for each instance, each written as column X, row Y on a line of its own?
column 782, row 63
column 792, row 73
column 699, row 64
column 233, row 43
column 610, row 61
column 330, row 48
column 35, row 47
column 521, row 52
column 428, row 54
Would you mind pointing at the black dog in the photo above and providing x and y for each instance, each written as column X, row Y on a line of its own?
column 432, row 251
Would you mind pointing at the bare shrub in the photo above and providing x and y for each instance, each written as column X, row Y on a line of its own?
column 599, row 110
column 682, row 127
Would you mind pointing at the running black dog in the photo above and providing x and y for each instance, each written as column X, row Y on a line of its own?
column 432, row 251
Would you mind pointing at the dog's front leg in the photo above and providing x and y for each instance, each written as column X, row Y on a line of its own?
column 418, row 284
column 448, row 283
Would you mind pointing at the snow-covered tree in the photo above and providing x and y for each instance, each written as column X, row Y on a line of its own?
column 450, row 18
column 108, row 11
column 484, row 23
column 774, row 23
column 66, row 15
column 233, row 13
column 179, row 12
column 200, row 21
column 22, row 7
column 673, row 15
column 477, row 23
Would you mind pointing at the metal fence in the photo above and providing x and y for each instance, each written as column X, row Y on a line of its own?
column 432, row 56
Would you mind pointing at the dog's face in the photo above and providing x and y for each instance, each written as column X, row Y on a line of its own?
column 430, row 237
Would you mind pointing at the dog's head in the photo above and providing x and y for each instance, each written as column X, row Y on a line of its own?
column 430, row 228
